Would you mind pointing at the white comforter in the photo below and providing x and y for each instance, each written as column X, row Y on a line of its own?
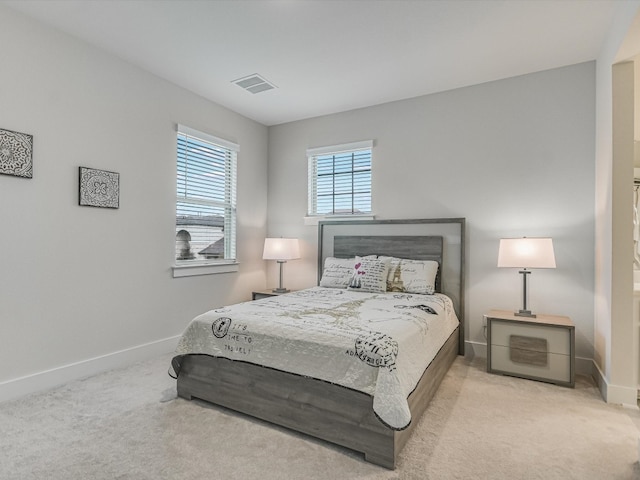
column 376, row 343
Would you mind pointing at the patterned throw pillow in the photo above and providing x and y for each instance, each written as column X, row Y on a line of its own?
column 337, row 272
column 411, row 276
column 369, row 275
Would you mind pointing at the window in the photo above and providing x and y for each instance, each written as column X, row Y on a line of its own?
column 205, row 198
column 340, row 179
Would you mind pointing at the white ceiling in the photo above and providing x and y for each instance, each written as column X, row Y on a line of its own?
column 331, row 56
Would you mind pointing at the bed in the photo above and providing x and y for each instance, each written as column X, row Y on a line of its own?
column 316, row 403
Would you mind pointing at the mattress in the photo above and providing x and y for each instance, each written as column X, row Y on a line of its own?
column 376, row 343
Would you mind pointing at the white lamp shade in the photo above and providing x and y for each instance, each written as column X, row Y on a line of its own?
column 281, row 249
column 526, row 253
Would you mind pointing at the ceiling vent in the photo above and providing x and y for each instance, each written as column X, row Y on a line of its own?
column 254, row 83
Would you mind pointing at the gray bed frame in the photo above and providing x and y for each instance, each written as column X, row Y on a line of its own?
column 321, row 409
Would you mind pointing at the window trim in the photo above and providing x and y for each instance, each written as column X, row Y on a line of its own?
column 188, row 268
column 199, row 268
column 221, row 142
column 345, row 147
column 311, row 218
column 315, row 219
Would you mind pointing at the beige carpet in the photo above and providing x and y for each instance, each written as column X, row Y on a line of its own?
column 128, row 424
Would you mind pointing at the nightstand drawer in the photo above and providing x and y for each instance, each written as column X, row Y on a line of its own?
column 539, row 348
column 542, row 366
column 546, row 338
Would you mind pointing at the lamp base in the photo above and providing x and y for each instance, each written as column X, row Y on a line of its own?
column 280, row 290
column 524, row 312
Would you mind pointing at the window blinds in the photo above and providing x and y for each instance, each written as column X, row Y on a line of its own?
column 205, row 196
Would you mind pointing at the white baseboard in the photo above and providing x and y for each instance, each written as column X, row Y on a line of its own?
column 475, row 349
column 617, row 394
column 584, row 366
column 36, row 382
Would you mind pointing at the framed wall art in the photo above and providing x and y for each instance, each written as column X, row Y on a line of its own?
column 16, row 154
column 99, row 188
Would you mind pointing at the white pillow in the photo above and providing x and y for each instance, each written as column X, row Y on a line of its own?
column 369, row 275
column 411, row 276
column 337, row 272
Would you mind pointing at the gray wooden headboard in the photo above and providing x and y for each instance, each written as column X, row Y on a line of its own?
column 439, row 239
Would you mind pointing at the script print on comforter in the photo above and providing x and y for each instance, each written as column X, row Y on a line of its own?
column 376, row 343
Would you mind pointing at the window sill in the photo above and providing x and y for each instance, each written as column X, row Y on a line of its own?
column 314, row 219
column 191, row 270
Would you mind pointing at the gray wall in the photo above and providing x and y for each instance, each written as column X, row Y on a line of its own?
column 515, row 157
column 81, row 285
column 82, row 289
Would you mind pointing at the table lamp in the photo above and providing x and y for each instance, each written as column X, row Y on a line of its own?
column 526, row 253
column 281, row 250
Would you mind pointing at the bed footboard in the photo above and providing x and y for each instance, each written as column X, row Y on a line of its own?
column 314, row 407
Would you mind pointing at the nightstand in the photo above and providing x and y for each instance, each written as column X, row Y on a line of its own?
column 264, row 294
column 538, row 348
